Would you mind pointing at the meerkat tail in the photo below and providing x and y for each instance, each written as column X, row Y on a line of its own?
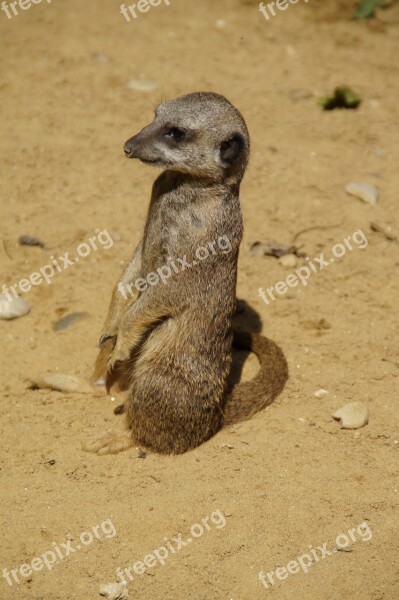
column 248, row 398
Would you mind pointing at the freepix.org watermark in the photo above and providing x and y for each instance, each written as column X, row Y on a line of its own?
column 164, row 273
column 142, row 6
column 11, row 10
column 171, row 546
column 59, row 264
column 270, row 10
column 314, row 555
column 315, row 265
column 60, row 551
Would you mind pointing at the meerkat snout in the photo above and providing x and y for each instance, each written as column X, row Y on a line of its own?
column 128, row 151
column 200, row 134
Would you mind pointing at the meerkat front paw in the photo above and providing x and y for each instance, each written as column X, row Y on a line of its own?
column 124, row 344
column 118, row 356
column 110, row 442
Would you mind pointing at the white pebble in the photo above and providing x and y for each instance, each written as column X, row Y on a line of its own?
column 364, row 191
column 141, row 85
column 12, row 307
column 288, row 260
column 352, row 415
column 220, row 23
column 321, row 393
column 114, row 591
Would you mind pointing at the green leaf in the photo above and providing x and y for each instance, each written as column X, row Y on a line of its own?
column 367, row 8
column 343, row 97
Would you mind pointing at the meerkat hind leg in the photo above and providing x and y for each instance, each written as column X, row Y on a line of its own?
column 110, row 442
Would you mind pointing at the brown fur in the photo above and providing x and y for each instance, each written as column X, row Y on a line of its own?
column 171, row 345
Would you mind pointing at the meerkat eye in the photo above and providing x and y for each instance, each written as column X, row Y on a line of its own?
column 175, row 133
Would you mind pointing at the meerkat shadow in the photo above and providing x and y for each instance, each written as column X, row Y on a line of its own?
column 245, row 319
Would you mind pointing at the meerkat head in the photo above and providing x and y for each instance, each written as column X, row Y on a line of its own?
column 200, row 134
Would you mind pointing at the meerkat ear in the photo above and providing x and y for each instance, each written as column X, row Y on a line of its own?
column 231, row 149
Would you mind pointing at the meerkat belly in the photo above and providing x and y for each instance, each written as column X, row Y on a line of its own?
column 198, row 356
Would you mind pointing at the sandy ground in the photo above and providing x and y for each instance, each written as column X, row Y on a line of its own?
column 289, row 480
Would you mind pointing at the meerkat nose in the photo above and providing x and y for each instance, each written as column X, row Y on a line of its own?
column 128, row 151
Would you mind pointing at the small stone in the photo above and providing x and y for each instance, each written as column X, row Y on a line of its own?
column 220, row 23
column 62, row 383
column 114, row 591
column 363, row 191
column 69, row 320
column 386, row 231
column 288, row 260
column 297, row 95
column 270, row 248
column 352, row 416
column 141, row 85
column 29, row 240
column 344, row 549
column 321, row 393
column 12, row 307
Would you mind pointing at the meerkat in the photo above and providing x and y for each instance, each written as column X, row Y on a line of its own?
column 171, row 344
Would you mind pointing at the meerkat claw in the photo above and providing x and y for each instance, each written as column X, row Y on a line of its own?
column 116, row 359
column 110, row 442
column 104, row 338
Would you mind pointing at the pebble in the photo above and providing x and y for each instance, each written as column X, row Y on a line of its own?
column 62, row 383
column 386, row 231
column 288, row 260
column 141, row 85
column 69, row 320
column 321, row 393
column 12, row 307
column 29, row 240
column 364, row 191
column 297, row 95
column 343, row 549
column 114, row 591
column 220, row 23
column 270, row 248
column 352, row 416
